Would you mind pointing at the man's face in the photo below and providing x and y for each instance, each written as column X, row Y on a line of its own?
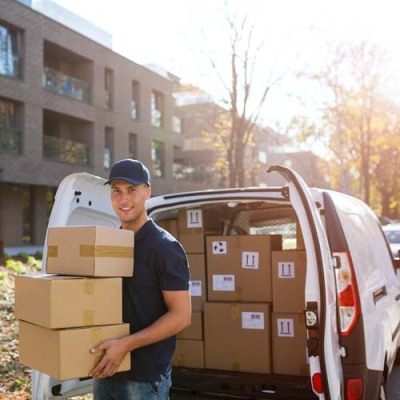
column 128, row 202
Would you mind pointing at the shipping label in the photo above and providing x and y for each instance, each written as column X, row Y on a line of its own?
column 286, row 270
column 194, row 218
column 195, row 288
column 250, row 259
column 252, row 320
column 285, row 327
column 224, row 283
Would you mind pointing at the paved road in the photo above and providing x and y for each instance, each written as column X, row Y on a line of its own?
column 393, row 389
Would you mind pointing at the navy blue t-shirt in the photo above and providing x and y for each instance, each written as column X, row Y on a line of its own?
column 160, row 263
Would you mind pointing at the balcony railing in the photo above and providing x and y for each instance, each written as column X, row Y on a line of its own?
column 66, row 85
column 65, row 150
column 10, row 140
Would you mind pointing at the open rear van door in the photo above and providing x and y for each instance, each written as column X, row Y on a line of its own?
column 320, row 295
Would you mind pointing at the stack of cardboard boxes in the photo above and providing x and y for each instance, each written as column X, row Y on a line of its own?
column 78, row 304
column 247, row 297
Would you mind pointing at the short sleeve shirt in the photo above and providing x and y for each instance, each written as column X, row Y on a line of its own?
column 160, row 263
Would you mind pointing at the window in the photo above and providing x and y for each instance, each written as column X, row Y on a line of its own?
column 262, row 157
column 176, row 124
column 158, row 158
column 108, row 89
column 10, row 132
column 133, row 146
column 108, row 148
column 135, row 100
column 10, row 48
column 157, row 109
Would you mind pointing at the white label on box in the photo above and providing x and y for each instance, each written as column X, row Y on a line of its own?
column 250, row 259
column 252, row 320
column 224, row 283
column 219, row 247
column 286, row 270
column 195, row 288
column 285, row 327
column 194, row 219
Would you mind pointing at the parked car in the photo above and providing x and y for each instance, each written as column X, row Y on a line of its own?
column 351, row 292
column 392, row 232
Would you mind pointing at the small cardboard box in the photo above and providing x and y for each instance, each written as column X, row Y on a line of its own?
column 237, row 337
column 289, row 344
column 171, row 226
column 197, row 267
column 89, row 251
column 65, row 353
column 239, row 267
column 56, row 301
column 288, row 280
column 188, row 354
column 195, row 330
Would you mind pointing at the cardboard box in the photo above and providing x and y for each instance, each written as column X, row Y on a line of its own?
column 65, row 353
column 89, row 251
column 198, row 290
column 195, row 330
column 289, row 344
column 171, row 226
column 288, row 280
column 237, row 337
column 239, row 267
column 194, row 224
column 55, row 301
column 188, row 354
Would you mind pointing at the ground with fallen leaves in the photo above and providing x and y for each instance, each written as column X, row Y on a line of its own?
column 15, row 378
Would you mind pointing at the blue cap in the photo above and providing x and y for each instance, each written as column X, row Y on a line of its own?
column 132, row 171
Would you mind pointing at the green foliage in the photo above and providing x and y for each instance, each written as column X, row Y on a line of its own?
column 33, row 262
column 16, row 266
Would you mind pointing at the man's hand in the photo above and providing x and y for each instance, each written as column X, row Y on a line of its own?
column 114, row 352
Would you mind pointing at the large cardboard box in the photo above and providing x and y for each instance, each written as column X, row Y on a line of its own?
column 239, row 267
column 188, row 354
column 237, row 337
column 56, row 301
column 289, row 344
column 195, row 330
column 65, row 353
column 89, row 251
column 194, row 224
column 198, row 290
column 288, row 280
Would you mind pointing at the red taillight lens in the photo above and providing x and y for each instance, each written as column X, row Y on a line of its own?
column 317, row 383
column 348, row 297
column 354, row 389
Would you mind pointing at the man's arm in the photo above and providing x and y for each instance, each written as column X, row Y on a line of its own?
column 176, row 319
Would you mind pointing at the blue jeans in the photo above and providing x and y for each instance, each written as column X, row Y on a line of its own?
column 114, row 388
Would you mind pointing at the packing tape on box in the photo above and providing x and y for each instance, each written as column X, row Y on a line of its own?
column 235, row 313
column 105, row 251
column 52, row 251
column 96, row 336
column 88, row 286
column 88, row 317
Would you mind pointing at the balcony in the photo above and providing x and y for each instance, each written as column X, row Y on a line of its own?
column 66, row 85
column 67, row 151
column 10, row 140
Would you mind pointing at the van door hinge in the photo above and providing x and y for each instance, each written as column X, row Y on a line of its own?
column 343, row 352
column 336, row 262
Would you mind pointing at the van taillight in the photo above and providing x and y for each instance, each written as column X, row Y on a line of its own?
column 317, row 383
column 348, row 297
column 354, row 389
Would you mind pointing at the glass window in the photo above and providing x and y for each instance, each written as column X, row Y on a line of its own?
column 10, row 132
column 108, row 89
column 133, row 146
column 158, row 158
column 135, row 100
column 10, row 58
column 157, row 109
column 176, row 124
column 108, row 148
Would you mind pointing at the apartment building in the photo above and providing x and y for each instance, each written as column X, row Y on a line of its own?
column 70, row 104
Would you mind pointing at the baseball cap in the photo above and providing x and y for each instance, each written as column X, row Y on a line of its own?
column 129, row 170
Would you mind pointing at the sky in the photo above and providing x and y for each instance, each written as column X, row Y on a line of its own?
column 183, row 36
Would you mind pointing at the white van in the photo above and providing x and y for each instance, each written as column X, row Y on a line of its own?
column 351, row 291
